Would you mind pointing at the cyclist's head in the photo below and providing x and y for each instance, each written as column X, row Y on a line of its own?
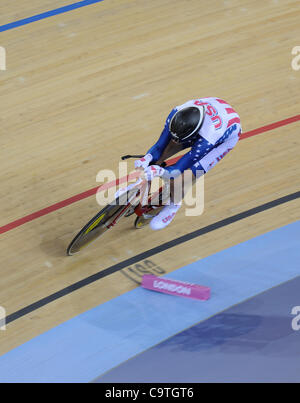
column 186, row 123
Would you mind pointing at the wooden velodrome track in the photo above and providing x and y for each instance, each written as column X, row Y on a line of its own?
column 85, row 87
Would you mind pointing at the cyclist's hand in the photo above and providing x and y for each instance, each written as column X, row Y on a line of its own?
column 144, row 162
column 153, row 171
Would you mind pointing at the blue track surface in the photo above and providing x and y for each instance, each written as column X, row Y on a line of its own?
column 251, row 342
column 93, row 343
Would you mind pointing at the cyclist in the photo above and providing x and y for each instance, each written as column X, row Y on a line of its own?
column 210, row 127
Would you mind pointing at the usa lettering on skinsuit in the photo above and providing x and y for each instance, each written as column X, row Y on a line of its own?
column 2, row 58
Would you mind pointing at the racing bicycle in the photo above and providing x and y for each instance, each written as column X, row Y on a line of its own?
column 135, row 200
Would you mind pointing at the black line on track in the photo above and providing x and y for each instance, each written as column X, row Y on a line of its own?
column 144, row 255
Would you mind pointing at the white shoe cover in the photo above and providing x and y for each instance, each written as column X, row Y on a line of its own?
column 164, row 217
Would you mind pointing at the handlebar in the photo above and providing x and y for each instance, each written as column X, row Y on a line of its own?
column 126, row 157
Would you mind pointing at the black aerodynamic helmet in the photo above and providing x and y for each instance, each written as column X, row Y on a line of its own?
column 186, row 123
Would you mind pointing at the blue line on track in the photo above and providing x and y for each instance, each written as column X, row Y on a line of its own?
column 47, row 14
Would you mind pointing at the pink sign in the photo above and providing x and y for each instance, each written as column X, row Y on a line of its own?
column 175, row 287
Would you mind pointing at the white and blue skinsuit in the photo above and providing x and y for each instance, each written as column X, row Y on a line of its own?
column 218, row 134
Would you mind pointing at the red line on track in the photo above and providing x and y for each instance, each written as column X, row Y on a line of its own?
column 88, row 193
column 272, row 126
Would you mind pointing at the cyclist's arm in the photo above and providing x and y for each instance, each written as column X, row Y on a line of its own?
column 157, row 150
column 185, row 162
column 198, row 151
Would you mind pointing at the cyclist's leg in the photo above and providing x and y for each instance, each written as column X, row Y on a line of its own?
column 214, row 156
column 182, row 183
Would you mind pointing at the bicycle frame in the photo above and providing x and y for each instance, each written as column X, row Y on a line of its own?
column 140, row 209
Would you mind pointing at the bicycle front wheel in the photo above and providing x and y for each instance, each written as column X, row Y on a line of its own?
column 96, row 227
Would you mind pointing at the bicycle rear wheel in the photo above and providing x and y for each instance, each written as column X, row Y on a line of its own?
column 143, row 220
